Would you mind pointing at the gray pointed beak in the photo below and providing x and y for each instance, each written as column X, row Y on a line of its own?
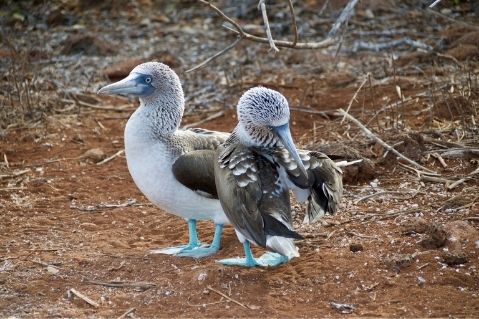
column 284, row 134
column 132, row 84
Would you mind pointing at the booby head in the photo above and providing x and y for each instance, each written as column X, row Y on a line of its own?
column 159, row 90
column 263, row 116
column 146, row 81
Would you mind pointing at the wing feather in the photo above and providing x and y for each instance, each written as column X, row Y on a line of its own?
column 246, row 184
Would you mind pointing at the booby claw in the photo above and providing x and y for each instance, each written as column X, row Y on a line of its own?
column 268, row 259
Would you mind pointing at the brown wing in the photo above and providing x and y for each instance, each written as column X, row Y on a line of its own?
column 195, row 170
column 324, row 180
column 327, row 186
column 251, row 194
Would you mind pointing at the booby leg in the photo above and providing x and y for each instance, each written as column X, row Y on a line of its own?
column 248, row 261
column 200, row 252
column 193, row 242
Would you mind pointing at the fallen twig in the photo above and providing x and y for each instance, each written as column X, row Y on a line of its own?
column 206, row 304
column 123, row 284
column 126, row 313
column 354, row 96
column 227, row 297
column 379, row 194
column 439, row 158
column 92, row 208
column 73, row 292
column 16, row 173
column 381, row 142
column 6, row 189
column 423, row 266
column 353, row 233
column 465, row 24
column 377, row 47
column 5, row 160
column 125, row 108
column 106, row 160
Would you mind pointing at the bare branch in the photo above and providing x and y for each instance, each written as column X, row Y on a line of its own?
column 262, row 7
column 285, row 44
column 434, row 3
column 343, row 17
column 293, row 22
column 224, row 16
column 229, row 47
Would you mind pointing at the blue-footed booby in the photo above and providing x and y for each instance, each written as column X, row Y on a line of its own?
column 257, row 166
column 173, row 168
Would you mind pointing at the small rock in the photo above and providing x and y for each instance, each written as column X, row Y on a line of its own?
column 342, row 307
column 202, row 277
column 454, row 258
column 94, row 154
column 399, row 261
column 416, row 225
column 52, row 270
column 355, row 247
column 420, row 280
column 436, row 237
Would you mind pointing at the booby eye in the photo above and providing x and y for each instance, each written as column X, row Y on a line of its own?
column 148, row 80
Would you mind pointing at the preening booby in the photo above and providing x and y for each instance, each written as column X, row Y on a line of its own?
column 173, row 168
column 255, row 169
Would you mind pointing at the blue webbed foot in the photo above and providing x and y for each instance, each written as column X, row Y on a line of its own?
column 268, row 259
column 205, row 251
column 177, row 250
column 195, row 248
column 193, row 242
column 198, row 252
column 242, row 262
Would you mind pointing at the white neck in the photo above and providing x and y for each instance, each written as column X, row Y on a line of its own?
column 163, row 111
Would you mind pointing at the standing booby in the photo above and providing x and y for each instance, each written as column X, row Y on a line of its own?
column 173, row 168
column 257, row 166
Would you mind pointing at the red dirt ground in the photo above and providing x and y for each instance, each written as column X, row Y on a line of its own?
column 393, row 274
column 410, row 250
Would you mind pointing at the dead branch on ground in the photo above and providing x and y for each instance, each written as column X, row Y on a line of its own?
column 377, row 47
column 123, row 284
column 355, row 95
column 381, row 142
column 73, row 292
column 93, row 208
column 126, row 313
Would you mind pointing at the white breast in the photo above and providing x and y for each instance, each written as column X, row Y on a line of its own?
column 150, row 165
